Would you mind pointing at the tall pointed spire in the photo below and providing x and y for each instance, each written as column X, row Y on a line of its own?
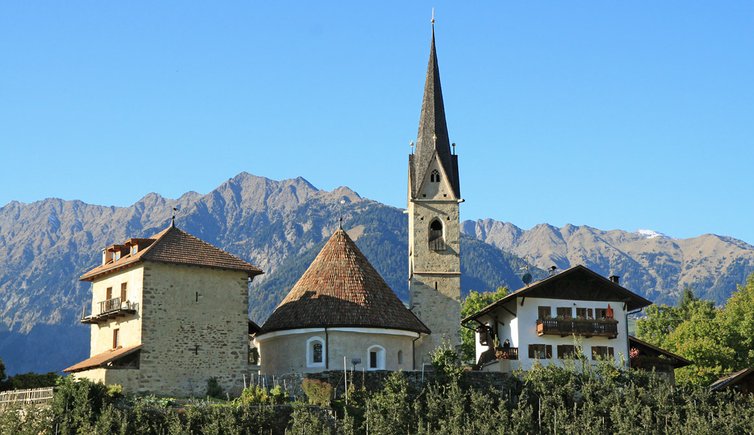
column 433, row 129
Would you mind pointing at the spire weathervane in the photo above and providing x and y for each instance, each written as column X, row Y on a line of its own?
column 433, row 17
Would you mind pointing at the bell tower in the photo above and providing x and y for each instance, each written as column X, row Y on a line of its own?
column 434, row 195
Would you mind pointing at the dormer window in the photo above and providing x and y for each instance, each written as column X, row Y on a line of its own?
column 434, row 176
column 436, row 238
column 134, row 249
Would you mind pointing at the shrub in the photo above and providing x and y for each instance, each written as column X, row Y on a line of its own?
column 214, row 389
column 318, row 392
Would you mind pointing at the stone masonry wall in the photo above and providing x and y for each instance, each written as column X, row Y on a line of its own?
column 194, row 327
column 435, row 286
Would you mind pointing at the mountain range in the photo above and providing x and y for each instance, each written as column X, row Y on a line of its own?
column 280, row 226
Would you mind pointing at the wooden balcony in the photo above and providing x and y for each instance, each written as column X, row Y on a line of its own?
column 582, row 327
column 506, row 353
column 109, row 309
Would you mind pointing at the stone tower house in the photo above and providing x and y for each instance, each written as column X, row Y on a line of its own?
column 434, row 266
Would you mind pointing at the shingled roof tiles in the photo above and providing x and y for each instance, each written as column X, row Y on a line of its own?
column 342, row 289
column 173, row 245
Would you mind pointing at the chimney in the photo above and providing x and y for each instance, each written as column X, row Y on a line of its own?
column 615, row 279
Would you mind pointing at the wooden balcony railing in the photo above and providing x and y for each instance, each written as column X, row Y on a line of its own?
column 506, row 353
column 584, row 327
column 109, row 309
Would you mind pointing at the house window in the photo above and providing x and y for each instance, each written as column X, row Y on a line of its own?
column 544, row 312
column 134, row 249
column 581, row 313
column 400, row 357
column 123, row 287
column 109, row 293
column 315, row 352
column 540, row 351
column 376, row 358
column 564, row 312
column 436, row 239
column 601, row 313
column 116, row 338
column 567, row 351
column 435, row 176
column 602, row 352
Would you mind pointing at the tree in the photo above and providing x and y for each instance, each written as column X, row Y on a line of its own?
column 473, row 303
column 737, row 317
column 696, row 330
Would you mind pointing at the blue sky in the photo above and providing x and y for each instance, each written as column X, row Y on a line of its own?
column 611, row 114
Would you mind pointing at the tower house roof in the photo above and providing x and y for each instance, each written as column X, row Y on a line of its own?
column 175, row 246
column 342, row 289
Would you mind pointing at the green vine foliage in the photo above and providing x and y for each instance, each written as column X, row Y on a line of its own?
column 582, row 399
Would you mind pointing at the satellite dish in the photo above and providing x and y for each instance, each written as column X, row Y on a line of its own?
column 526, row 278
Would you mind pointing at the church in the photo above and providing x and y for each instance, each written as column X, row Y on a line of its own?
column 342, row 313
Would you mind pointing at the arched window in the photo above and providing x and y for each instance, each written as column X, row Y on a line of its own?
column 436, row 239
column 376, row 358
column 435, row 176
column 315, row 352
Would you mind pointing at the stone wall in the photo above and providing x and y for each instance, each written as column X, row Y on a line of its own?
column 194, row 327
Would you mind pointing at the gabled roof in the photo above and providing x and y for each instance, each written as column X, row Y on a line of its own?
column 342, row 289
column 433, row 131
column 676, row 361
column 731, row 379
column 577, row 283
column 102, row 359
column 177, row 247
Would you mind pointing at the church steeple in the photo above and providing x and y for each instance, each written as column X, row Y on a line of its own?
column 434, row 229
column 433, row 130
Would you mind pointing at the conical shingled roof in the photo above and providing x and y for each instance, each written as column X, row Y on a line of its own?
column 342, row 289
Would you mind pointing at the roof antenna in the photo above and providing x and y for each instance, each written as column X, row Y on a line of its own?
column 454, row 148
column 433, row 17
column 172, row 220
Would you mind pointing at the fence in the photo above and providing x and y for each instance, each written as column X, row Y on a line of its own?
column 35, row 396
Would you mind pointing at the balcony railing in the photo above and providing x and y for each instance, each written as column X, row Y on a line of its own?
column 584, row 327
column 109, row 309
column 506, row 353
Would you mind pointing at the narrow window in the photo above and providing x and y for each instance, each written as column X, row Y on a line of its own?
column 544, row 312
column 116, row 338
column 376, row 359
column 435, row 176
column 123, row 287
column 564, row 312
column 315, row 352
column 400, row 357
column 435, row 285
column 581, row 313
column 436, row 239
column 109, row 293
